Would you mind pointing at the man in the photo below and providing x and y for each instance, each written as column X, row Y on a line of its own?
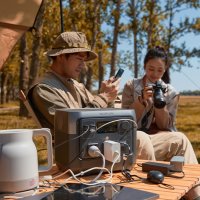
column 59, row 89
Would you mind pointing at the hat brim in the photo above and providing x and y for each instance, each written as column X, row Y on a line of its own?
column 56, row 52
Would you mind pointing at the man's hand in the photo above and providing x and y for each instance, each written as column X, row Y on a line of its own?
column 109, row 89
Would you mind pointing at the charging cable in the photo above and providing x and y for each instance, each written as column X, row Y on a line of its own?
column 94, row 151
column 94, row 131
column 89, row 191
column 118, row 120
column 66, row 141
column 111, row 169
column 94, row 181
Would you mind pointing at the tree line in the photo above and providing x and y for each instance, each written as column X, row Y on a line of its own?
column 141, row 23
column 190, row 93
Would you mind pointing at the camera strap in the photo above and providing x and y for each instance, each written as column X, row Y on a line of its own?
column 144, row 121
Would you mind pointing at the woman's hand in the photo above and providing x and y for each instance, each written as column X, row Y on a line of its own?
column 147, row 92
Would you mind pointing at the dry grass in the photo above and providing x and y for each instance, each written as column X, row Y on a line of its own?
column 9, row 119
column 188, row 122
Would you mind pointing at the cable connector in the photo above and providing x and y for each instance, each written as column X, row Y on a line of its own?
column 94, row 151
column 112, row 150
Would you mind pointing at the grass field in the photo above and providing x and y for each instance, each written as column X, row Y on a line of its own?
column 188, row 121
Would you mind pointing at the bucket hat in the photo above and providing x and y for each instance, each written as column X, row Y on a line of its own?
column 71, row 42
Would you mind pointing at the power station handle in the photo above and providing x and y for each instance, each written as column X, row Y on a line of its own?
column 45, row 132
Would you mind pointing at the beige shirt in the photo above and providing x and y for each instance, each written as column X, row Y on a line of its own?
column 54, row 92
column 131, row 92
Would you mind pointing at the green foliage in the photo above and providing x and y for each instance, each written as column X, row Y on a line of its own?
column 191, row 93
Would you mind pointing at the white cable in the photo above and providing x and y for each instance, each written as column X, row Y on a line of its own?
column 108, row 180
column 111, row 169
column 89, row 170
column 72, row 138
column 59, row 175
column 117, row 120
column 96, row 130
column 91, row 183
column 82, row 173
column 95, row 190
column 97, row 151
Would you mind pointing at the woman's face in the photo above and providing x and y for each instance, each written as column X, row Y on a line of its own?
column 155, row 68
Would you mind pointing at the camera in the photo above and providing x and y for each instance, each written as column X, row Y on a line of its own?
column 158, row 96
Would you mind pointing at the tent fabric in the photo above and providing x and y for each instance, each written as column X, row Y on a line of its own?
column 16, row 17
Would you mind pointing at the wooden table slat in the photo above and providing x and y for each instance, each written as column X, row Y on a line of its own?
column 181, row 185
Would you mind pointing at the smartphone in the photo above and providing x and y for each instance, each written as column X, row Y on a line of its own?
column 104, row 191
column 118, row 74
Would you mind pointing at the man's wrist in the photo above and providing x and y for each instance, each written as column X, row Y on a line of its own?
column 103, row 97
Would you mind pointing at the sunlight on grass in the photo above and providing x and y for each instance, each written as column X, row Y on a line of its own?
column 188, row 120
column 11, row 120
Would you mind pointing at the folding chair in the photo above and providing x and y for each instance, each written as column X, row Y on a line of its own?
column 22, row 96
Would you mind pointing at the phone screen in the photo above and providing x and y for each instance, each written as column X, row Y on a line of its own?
column 75, row 191
column 119, row 73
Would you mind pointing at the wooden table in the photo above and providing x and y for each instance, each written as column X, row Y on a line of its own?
column 181, row 185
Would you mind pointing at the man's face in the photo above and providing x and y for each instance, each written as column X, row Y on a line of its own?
column 72, row 64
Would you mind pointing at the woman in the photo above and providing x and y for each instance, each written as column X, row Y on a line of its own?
column 156, row 116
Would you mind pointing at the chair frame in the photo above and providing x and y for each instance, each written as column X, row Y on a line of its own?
column 22, row 96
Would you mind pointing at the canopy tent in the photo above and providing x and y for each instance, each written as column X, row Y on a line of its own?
column 16, row 17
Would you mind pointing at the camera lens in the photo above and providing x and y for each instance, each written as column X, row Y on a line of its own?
column 159, row 100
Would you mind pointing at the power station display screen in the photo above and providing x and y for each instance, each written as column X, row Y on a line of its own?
column 106, row 127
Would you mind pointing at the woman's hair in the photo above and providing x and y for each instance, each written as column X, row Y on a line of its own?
column 156, row 52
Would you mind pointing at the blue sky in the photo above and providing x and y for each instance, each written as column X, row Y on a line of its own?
column 187, row 78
